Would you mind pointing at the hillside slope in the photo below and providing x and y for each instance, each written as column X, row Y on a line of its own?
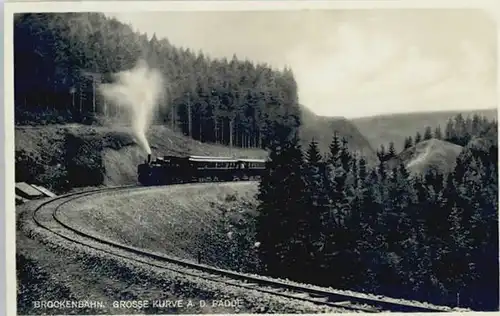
column 54, row 269
column 432, row 154
column 383, row 129
column 322, row 128
column 173, row 220
column 57, row 156
column 107, row 155
column 61, row 57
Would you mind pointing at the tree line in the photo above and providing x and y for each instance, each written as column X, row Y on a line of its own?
column 61, row 58
column 334, row 221
column 459, row 130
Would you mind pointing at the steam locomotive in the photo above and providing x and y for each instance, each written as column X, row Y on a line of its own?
column 173, row 169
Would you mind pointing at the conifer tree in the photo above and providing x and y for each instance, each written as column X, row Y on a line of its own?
column 345, row 155
column 382, row 171
column 293, row 204
column 427, row 133
column 317, row 201
column 381, row 153
column 335, row 148
column 363, row 169
column 460, row 124
column 354, row 171
column 450, row 130
column 334, row 230
column 476, row 124
column 408, row 142
column 418, row 138
column 437, row 133
column 313, row 157
column 403, row 171
column 392, row 150
column 281, row 199
column 268, row 216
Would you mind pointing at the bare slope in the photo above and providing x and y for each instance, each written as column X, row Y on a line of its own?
column 111, row 151
column 173, row 220
column 322, row 128
column 386, row 128
column 53, row 269
column 431, row 154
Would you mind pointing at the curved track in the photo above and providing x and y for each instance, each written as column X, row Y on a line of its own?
column 46, row 217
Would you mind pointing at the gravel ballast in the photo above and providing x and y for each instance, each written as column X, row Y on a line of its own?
column 51, row 269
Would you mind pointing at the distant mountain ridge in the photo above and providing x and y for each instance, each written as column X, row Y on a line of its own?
column 322, row 129
column 382, row 129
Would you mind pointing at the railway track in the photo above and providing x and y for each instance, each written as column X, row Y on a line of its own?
column 46, row 217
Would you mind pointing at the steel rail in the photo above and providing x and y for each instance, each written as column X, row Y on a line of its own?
column 262, row 284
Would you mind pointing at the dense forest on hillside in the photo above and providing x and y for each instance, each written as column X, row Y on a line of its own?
column 336, row 222
column 382, row 129
column 459, row 130
column 61, row 58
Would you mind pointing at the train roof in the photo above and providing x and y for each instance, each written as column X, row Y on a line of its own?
column 251, row 160
column 212, row 159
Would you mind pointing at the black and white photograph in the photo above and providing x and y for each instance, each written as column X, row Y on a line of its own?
column 252, row 157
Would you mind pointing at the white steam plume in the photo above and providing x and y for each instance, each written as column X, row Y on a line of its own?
column 138, row 91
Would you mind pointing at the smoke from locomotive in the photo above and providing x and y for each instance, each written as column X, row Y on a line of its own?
column 138, row 92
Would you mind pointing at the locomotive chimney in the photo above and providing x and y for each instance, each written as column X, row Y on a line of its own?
column 149, row 158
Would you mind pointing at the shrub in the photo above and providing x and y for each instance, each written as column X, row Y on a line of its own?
column 83, row 161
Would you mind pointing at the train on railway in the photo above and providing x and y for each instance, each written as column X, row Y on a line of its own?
column 174, row 169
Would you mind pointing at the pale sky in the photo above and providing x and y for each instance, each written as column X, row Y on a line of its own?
column 353, row 63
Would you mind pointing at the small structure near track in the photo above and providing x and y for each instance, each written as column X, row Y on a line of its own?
column 26, row 192
column 45, row 191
